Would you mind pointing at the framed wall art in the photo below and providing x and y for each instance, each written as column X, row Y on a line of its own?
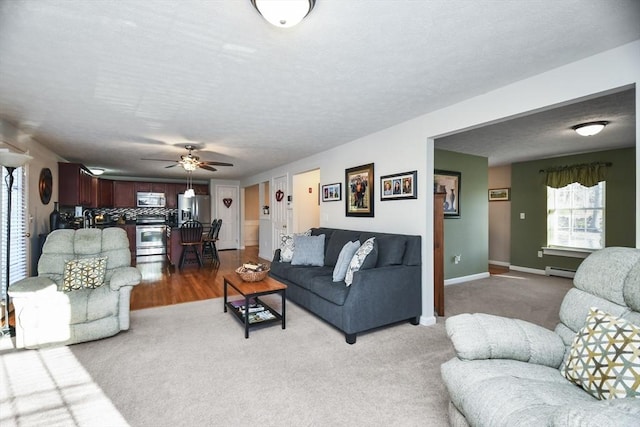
column 399, row 186
column 332, row 192
column 450, row 183
column 499, row 194
column 359, row 186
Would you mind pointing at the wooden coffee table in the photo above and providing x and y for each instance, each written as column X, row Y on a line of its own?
column 252, row 291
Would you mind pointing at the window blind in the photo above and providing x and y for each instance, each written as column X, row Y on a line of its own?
column 18, row 242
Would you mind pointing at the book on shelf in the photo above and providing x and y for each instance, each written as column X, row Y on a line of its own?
column 254, row 306
column 261, row 316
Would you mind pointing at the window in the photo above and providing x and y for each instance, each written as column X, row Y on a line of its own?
column 18, row 263
column 575, row 216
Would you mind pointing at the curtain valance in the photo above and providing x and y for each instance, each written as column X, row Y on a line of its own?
column 587, row 174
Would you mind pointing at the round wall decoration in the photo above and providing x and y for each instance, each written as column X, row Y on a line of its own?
column 45, row 185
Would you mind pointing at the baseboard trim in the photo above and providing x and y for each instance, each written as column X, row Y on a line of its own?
column 427, row 321
column 500, row 263
column 528, row 270
column 469, row 278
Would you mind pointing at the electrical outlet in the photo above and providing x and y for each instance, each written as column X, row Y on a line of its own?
column 522, row 215
column 539, row 254
column 457, row 259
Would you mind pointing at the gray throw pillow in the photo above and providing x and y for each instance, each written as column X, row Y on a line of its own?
column 344, row 259
column 309, row 250
column 359, row 259
column 287, row 245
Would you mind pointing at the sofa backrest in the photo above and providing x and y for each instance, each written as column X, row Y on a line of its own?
column 608, row 279
column 393, row 249
column 64, row 245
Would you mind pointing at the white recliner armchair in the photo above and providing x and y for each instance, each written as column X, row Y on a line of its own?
column 82, row 291
column 585, row 373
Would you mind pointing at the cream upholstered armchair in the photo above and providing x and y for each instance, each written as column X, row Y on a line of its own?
column 82, row 290
column 585, row 373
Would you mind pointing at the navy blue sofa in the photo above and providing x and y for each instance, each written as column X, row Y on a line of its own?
column 388, row 293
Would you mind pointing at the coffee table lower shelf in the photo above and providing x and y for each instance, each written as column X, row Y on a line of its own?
column 251, row 293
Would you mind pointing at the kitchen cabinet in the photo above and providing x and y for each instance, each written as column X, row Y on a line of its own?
column 124, row 194
column 171, row 194
column 105, row 193
column 151, row 187
column 201, row 189
column 75, row 186
column 174, row 248
column 131, row 235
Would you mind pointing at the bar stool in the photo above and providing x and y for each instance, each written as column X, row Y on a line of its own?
column 191, row 240
column 209, row 245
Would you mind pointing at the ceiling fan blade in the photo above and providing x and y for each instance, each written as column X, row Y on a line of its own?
column 217, row 163
column 209, row 168
column 160, row 160
column 171, row 166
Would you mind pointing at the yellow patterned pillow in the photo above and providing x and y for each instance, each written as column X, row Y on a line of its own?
column 84, row 273
column 605, row 357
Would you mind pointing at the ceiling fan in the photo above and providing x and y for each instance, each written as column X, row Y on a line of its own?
column 190, row 162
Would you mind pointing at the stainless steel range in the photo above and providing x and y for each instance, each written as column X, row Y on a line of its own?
column 150, row 238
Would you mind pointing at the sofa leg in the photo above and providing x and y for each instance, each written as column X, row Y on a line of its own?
column 351, row 338
column 415, row 320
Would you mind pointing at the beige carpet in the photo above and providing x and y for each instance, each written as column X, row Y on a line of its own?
column 190, row 365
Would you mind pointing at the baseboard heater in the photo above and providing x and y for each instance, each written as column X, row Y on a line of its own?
column 560, row 272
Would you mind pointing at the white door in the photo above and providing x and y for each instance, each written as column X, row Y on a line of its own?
column 280, row 211
column 229, row 237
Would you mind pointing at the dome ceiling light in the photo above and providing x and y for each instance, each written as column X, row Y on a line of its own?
column 590, row 128
column 283, row 13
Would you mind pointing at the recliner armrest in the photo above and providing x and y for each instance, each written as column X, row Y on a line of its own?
column 484, row 336
column 125, row 276
column 32, row 285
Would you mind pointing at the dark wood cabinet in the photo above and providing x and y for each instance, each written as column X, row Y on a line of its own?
column 171, row 194
column 124, row 194
column 76, row 186
column 131, row 235
column 151, row 187
column 201, row 189
column 105, row 193
column 438, row 252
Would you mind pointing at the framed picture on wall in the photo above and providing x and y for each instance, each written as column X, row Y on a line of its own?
column 359, row 191
column 399, row 186
column 499, row 194
column 332, row 192
column 448, row 182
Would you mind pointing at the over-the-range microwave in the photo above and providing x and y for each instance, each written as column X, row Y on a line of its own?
column 150, row 200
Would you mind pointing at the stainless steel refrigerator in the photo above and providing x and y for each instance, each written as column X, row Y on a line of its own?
column 197, row 208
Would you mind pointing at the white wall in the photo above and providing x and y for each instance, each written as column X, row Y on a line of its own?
column 37, row 212
column 412, row 143
column 306, row 210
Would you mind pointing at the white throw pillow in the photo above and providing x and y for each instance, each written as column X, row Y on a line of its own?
column 344, row 259
column 287, row 245
column 358, row 259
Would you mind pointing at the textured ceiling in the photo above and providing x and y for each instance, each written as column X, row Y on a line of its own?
column 107, row 83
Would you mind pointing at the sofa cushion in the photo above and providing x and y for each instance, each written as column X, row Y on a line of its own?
column 336, row 242
column 303, row 275
column 287, row 245
column 359, row 260
column 605, row 357
column 309, row 250
column 84, row 273
column 324, row 287
column 344, row 259
column 391, row 249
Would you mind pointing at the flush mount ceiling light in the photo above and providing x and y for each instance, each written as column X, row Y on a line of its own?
column 589, row 129
column 96, row 171
column 283, row 13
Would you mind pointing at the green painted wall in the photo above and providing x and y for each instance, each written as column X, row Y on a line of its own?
column 529, row 195
column 468, row 235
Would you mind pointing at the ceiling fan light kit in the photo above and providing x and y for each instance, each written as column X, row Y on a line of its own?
column 284, row 13
column 590, row 128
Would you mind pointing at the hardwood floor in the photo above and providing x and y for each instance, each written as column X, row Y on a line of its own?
column 165, row 285
column 497, row 269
